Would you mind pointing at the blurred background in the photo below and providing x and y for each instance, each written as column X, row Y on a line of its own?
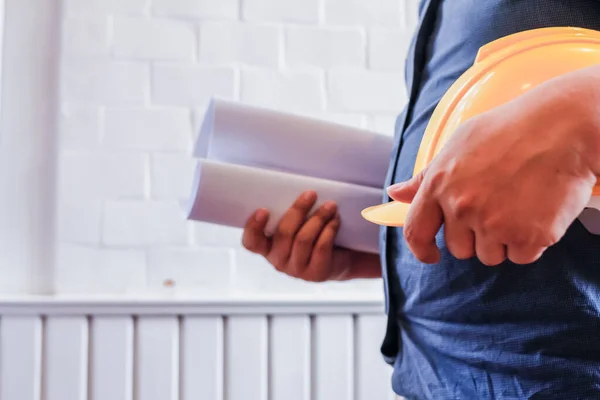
column 107, row 292
column 134, row 79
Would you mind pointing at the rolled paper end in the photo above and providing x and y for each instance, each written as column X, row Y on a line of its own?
column 388, row 214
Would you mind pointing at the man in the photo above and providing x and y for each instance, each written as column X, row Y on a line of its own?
column 493, row 286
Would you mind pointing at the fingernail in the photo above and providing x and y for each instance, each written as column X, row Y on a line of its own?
column 329, row 206
column 308, row 196
column 395, row 186
column 261, row 215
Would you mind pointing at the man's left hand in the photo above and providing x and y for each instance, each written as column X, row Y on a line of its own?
column 509, row 182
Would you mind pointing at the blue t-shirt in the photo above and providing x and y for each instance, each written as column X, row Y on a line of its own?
column 459, row 329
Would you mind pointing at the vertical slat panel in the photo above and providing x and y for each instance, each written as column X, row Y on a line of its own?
column 290, row 358
column 333, row 354
column 111, row 364
column 157, row 361
column 66, row 351
column 372, row 373
column 246, row 358
column 202, row 358
column 20, row 358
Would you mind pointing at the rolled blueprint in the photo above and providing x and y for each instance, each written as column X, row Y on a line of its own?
column 228, row 194
column 247, row 135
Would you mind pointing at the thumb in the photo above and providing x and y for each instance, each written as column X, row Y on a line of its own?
column 404, row 192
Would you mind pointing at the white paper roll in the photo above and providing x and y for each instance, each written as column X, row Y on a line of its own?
column 245, row 135
column 227, row 194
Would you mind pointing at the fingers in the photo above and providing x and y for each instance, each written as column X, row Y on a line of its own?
column 288, row 227
column 463, row 244
column 322, row 251
column 460, row 239
column 254, row 238
column 423, row 222
column 524, row 255
column 405, row 192
column 308, row 235
column 489, row 251
column 299, row 240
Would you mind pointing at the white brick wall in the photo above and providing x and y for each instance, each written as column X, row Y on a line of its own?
column 153, row 39
column 241, row 43
column 189, row 85
column 148, row 129
column 286, row 11
column 325, row 47
column 136, row 76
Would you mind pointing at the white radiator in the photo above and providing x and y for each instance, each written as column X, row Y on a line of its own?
column 178, row 350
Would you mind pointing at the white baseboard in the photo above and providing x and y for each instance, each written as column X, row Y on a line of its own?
column 248, row 348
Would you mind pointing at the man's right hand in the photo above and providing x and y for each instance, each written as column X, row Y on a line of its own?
column 303, row 244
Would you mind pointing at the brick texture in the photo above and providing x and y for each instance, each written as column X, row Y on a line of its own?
column 79, row 127
column 94, row 82
column 221, row 9
column 205, row 269
column 135, row 38
column 100, row 7
column 381, row 40
column 290, row 11
column 290, row 91
column 191, row 85
column 171, row 175
column 86, row 36
column 142, row 223
column 365, row 91
column 101, row 175
column 365, row 12
column 325, row 47
column 90, row 270
column 148, row 129
column 242, row 43
column 136, row 76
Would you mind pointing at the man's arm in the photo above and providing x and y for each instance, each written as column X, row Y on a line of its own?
column 360, row 266
column 303, row 245
column 510, row 181
column 585, row 96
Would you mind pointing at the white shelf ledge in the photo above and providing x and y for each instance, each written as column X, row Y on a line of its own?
column 244, row 305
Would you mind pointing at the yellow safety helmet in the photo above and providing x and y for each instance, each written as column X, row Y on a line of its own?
column 503, row 70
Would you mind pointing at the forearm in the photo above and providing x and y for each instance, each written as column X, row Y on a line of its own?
column 580, row 92
column 593, row 85
column 360, row 266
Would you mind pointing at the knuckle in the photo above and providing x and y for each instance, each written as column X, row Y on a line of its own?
column 323, row 247
column 551, row 237
column 322, row 216
column 462, row 252
column 518, row 237
column 436, row 177
column 248, row 244
column 461, row 205
column 279, row 266
column 315, row 276
column 304, row 240
column 525, row 255
column 245, row 244
column 491, row 258
column 284, row 235
column 278, row 261
column 493, row 225
column 292, row 270
column 413, row 236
